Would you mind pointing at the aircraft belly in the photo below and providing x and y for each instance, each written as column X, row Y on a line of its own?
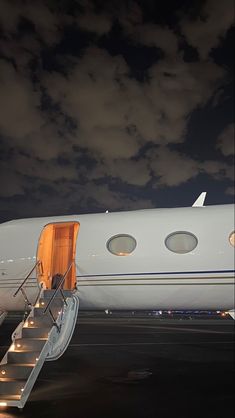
column 208, row 294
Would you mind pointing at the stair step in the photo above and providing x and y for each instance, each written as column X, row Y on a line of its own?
column 40, row 312
column 30, row 344
column 12, row 387
column 25, row 357
column 35, row 332
column 8, row 397
column 44, row 321
column 47, row 293
column 57, row 302
column 15, row 371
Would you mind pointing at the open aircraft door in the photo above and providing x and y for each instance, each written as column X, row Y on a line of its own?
column 56, row 253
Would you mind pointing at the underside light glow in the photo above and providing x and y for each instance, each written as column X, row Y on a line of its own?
column 3, row 372
column 3, row 404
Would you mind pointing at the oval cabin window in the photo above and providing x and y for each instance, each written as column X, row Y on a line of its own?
column 232, row 238
column 181, row 242
column 121, row 244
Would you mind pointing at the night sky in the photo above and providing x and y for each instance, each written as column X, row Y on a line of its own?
column 115, row 105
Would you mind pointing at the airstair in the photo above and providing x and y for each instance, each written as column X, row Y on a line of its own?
column 43, row 336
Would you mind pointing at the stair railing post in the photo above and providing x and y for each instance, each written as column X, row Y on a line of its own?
column 21, row 287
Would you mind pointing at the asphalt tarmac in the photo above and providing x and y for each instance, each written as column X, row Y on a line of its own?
column 136, row 368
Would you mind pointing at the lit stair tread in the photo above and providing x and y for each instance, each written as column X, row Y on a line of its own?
column 5, row 398
column 19, row 364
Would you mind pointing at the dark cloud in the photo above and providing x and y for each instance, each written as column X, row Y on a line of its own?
column 75, row 116
column 225, row 140
column 206, row 30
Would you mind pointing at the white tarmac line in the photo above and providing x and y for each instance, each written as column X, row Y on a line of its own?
column 199, row 330
column 143, row 343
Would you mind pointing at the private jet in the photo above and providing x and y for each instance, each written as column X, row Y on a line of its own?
column 155, row 259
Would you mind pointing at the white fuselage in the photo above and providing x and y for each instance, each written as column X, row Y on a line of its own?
column 151, row 277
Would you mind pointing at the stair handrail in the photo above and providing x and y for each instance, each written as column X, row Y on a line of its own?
column 26, row 278
column 59, row 288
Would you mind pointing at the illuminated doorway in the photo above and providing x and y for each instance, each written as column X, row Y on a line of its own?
column 56, row 252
